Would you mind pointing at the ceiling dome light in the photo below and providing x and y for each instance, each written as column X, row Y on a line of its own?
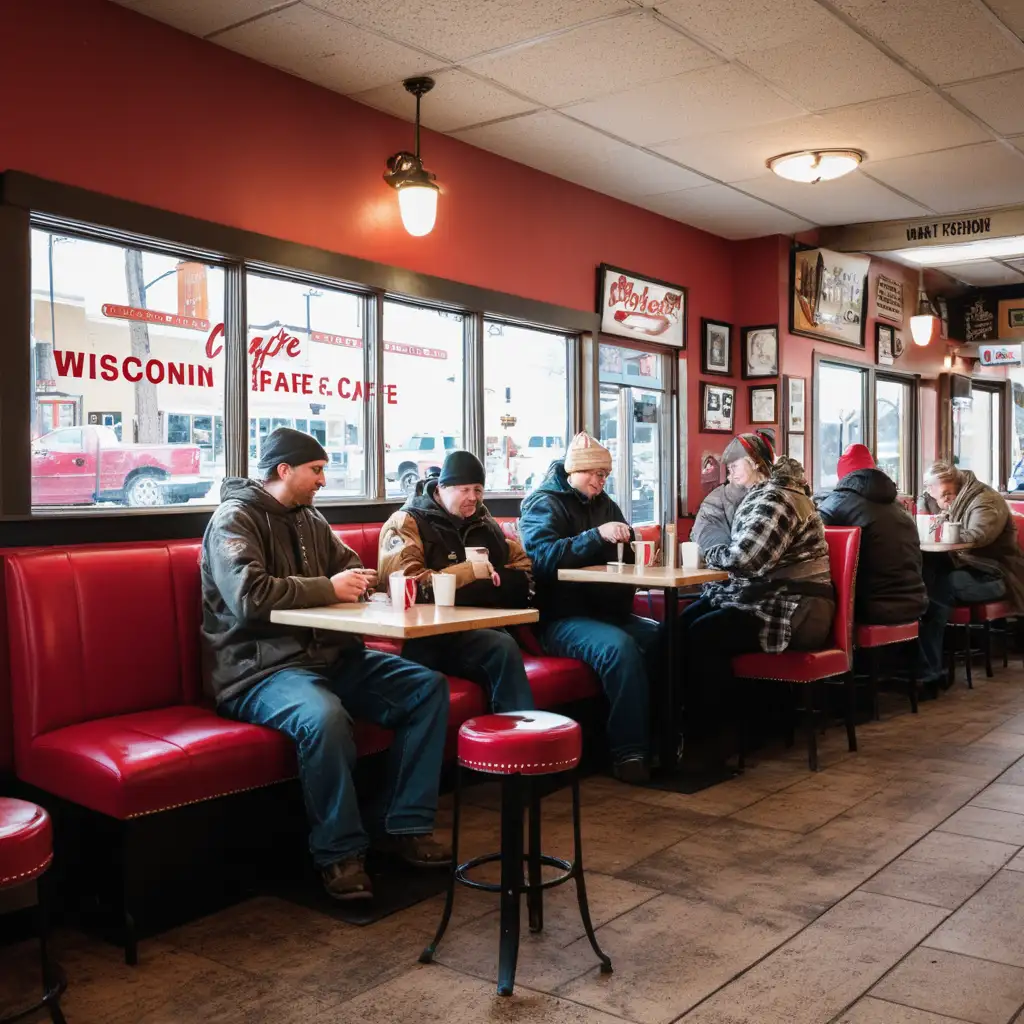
column 813, row 165
column 417, row 191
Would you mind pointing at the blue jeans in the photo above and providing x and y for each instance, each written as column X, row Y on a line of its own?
column 623, row 654
column 315, row 708
column 488, row 657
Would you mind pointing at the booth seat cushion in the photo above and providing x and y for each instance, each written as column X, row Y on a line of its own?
column 870, row 635
column 556, row 681
column 362, row 538
column 989, row 611
column 792, row 666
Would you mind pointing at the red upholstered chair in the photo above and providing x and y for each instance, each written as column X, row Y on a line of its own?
column 519, row 748
column 871, row 639
column 811, row 668
column 26, row 851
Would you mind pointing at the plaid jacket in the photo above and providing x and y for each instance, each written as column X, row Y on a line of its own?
column 775, row 530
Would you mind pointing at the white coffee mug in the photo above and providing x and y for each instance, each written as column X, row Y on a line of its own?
column 950, row 533
column 690, row 556
column 644, row 551
column 477, row 555
column 444, row 589
column 402, row 589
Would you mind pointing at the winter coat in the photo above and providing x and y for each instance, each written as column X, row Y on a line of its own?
column 423, row 537
column 713, row 524
column 890, row 589
column 559, row 527
column 259, row 556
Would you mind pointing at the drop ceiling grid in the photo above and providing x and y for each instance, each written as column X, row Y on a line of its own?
column 720, row 85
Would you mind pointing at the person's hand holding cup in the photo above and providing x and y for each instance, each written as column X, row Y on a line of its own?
column 615, row 533
column 480, row 559
column 350, row 585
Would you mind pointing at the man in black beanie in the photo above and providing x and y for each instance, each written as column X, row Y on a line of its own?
column 431, row 534
column 266, row 548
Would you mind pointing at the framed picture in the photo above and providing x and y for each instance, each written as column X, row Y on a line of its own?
column 641, row 308
column 796, row 404
column 885, row 338
column 829, row 295
column 717, row 408
column 764, row 400
column 760, row 351
column 795, row 447
column 715, row 347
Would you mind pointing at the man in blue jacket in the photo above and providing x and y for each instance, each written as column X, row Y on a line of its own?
column 567, row 523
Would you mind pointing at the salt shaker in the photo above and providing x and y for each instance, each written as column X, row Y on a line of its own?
column 669, row 548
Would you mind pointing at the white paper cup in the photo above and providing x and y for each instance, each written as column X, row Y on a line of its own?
column 444, row 589
column 690, row 556
column 402, row 589
column 477, row 555
column 925, row 527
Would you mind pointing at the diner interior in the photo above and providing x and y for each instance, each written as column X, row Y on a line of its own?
column 645, row 241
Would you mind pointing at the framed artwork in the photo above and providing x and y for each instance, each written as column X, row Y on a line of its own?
column 764, row 400
column 795, row 447
column 641, row 308
column 885, row 339
column 717, row 408
column 760, row 351
column 715, row 347
column 828, row 297
column 796, row 404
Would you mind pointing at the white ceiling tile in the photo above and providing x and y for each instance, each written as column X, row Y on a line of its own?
column 456, row 29
column 850, row 200
column 631, row 174
column 998, row 101
column 955, row 180
column 1010, row 12
column 736, row 26
column 983, row 273
column 324, row 50
column 456, row 101
column 836, row 67
column 723, row 97
column 600, row 58
column 725, row 212
column 884, row 129
column 949, row 40
column 201, row 17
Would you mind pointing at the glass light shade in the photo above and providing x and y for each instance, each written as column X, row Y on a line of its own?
column 812, row 166
column 418, row 205
column 923, row 328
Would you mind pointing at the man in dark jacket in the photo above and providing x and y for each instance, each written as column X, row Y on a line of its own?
column 890, row 590
column 267, row 549
column 568, row 523
column 430, row 534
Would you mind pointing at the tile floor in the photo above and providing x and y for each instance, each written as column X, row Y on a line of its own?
column 886, row 889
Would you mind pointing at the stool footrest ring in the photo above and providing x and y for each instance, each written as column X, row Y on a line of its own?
column 568, row 869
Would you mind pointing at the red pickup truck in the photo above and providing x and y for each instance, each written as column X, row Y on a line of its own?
column 87, row 464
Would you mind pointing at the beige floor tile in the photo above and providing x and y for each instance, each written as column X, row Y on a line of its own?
column 796, row 812
column 876, row 1011
column 999, row 797
column 671, row 953
column 1013, row 776
column 988, row 925
column 1014, row 724
column 824, row 968
column 921, row 800
column 984, row 823
column 1017, row 864
column 957, row 986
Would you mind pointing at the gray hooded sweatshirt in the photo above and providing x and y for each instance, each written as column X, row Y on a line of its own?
column 259, row 556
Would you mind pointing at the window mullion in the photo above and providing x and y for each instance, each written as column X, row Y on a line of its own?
column 373, row 371
column 473, row 393
column 236, row 373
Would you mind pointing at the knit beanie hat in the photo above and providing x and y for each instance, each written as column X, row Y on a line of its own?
column 755, row 447
column 856, row 456
column 461, row 468
column 292, row 447
column 586, row 453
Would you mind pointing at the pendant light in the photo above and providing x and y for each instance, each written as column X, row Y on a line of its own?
column 417, row 192
column 925, row 325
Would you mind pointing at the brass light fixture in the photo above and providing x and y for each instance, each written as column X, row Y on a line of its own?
column 417, row 191
column 924, row 326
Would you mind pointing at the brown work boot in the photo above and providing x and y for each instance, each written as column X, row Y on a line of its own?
column 422, row 850
column 347, row 880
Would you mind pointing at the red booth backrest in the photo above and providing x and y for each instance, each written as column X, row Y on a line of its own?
column 843, row 552
column 101, row 631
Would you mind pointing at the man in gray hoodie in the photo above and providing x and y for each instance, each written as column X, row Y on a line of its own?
column 266, row 548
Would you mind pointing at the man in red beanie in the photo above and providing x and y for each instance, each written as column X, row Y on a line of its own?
column 890, row 589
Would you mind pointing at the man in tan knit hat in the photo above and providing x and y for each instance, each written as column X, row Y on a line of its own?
column 569, row 522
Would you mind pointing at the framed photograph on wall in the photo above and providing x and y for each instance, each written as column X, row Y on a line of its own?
column 795, row 447
column 796, row 404
column 760, row 349
column 885, row 344
column 828, row 295
column 715, row 347
column 717, row 408
column 764, row 401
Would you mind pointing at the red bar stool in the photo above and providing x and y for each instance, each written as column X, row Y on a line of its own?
column 517, row 745
column 26, row 851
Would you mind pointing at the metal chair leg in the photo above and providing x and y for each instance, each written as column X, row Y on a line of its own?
column 988, row 649
column 581, row 887
column 812, row 738
column 511, row 880
column 1006, row 643
column 850, row 686
column 427, row 955
column 535, row 895
column 873, row 682
column 967, row 658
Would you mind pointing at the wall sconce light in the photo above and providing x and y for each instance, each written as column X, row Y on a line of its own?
column 417, row 192
column 925, row 325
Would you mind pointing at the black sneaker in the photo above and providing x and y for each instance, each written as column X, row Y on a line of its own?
column 632, row 770
column 347, row 880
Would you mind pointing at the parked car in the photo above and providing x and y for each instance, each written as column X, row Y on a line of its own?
column 88, row 464
column 415, row 457
column 1016, row 482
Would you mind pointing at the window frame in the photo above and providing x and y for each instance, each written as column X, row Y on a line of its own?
column 867, row 394
column 913, row 382
column 1004, row 428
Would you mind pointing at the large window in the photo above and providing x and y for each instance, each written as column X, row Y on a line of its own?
column 633, row 427
column 977, row 434
column 526, row 404
column 128, row 378
column 423, row 412
column 306, row 371
column 840, row 402
column 895, row 431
